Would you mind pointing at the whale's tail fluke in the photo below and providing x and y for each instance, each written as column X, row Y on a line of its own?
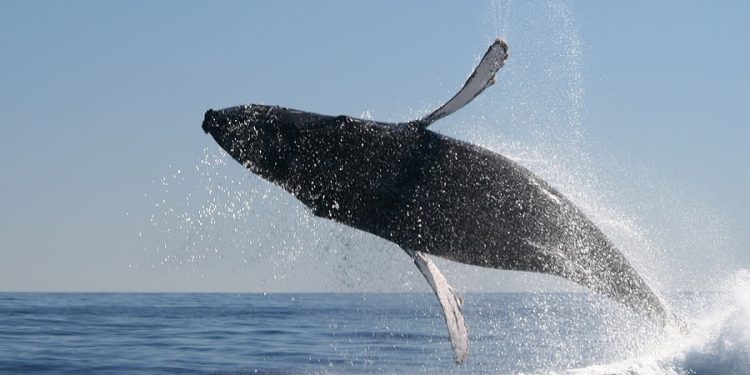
column 482, row 78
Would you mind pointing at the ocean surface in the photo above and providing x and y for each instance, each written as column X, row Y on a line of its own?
column 580, row 333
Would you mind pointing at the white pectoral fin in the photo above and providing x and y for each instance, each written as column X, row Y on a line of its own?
column 451, row 304
column 482, row 78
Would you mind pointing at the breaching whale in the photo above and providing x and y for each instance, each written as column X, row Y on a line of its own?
column 431, row 194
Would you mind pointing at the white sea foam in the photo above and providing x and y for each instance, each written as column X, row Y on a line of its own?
column 717, row 342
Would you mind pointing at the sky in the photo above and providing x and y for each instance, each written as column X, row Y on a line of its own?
column 635, row 110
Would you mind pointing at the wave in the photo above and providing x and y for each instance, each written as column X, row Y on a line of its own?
column 717, row 341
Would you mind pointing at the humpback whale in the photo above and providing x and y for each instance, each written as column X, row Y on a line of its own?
column 432, row 195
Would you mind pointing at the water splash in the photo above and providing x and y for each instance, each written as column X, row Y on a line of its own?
column 214, row 217
column 717, row 342
column 201, row 212
column 540, row 124
column 536, row 115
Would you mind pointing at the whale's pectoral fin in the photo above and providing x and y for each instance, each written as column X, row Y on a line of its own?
column 482, row 78
column 451, row 303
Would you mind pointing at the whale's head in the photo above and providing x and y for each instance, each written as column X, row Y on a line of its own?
column 257, row 136
column 261, row 137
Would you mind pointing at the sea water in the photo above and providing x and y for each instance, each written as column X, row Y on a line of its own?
column 511, row 333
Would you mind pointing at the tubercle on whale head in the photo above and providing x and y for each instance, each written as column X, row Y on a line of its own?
column 254, row 135
column 209, row 119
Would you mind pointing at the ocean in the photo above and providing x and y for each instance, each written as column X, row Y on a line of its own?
column 510, row 333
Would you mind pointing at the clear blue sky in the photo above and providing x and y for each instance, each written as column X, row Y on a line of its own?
column 637, row 110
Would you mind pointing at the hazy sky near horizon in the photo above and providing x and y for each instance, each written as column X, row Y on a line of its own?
column 636, row 110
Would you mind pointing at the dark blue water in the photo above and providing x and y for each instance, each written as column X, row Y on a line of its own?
column 309, row 333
